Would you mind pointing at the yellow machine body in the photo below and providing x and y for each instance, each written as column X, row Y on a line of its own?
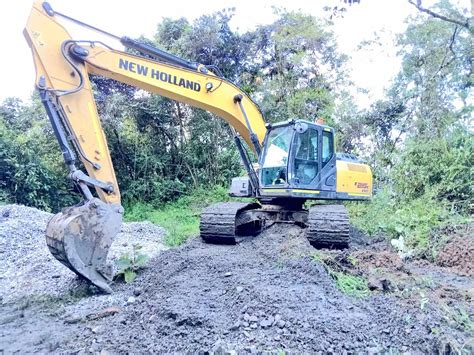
column 354, row 179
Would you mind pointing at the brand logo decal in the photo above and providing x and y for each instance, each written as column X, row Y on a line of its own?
column 158, row 75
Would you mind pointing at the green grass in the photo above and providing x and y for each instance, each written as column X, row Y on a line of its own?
column 459, row 317
column 180, row 218
column 351, row 285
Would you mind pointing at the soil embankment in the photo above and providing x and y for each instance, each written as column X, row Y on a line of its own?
column 265, row 294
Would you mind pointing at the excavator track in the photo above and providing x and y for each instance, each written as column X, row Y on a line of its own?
column 328, row 226
column 225, row 222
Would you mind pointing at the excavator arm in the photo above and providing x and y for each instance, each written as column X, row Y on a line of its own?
column 80, row 236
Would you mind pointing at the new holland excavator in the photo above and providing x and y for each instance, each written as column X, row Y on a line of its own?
column 296, row 158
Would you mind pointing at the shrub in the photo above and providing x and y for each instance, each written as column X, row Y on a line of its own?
column 441, row 167
column 417, row 220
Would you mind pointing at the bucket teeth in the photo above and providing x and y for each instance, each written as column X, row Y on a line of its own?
column 80, row 238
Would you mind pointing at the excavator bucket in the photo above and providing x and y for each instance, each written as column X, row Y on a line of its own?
column 80, row 238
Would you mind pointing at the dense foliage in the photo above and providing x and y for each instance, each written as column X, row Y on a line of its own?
column 422, row 133
column 417, row 139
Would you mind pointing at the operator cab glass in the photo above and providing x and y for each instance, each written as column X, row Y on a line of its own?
column 299, row 154
column 306, row 158
column 275, row 159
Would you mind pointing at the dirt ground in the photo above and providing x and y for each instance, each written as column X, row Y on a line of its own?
column 268, row 293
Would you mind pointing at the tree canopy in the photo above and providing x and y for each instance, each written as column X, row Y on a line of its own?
column 417, row 138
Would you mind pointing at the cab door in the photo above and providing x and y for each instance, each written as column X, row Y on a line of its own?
column 313, row 158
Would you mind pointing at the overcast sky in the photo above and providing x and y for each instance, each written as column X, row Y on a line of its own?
column 371, row 69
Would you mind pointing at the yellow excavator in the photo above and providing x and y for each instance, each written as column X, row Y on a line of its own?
column 296, row 158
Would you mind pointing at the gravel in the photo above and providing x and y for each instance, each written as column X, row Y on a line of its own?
column 264, row 294
column 28, row 269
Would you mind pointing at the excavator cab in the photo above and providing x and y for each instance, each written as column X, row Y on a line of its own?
column 298, row 155
column 299, row 160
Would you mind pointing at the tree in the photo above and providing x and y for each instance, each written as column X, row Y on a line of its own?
column 296, row 67
column 454, row 17
column 420, row 130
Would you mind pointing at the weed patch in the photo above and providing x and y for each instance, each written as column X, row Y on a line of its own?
column 181, row 217
column 128, row 265
column 418, row 222
column 459, row 317
column 351, row 285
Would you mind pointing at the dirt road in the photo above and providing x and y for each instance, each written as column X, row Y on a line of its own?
column 266, row 294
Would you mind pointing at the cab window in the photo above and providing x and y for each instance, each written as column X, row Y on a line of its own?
column 328, row 147
column 274, row 167
column 306, row 157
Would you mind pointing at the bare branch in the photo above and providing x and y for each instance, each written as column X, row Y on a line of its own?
column 445, row 62
column 420, row 7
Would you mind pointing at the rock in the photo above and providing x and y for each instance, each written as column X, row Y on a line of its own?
column 97, row 329
column 52, row 346
column 10, row 318
column 137, row 292
column 73, row 319
column 281, row 324
column 228, row 274
column 253, row 319
column 386, row 285
column 55, row 276
column 374, row 284
column 235, row 326
column 218, row 347
column 131, row 300
column 239, row 289
column 254, row 326
column 379, row 284
column 266, row 323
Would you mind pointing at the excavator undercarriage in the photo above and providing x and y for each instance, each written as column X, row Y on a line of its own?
column 327, row 226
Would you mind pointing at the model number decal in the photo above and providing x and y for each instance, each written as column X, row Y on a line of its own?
column 362, row 185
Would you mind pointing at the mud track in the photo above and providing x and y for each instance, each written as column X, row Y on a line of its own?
column 265, row 294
